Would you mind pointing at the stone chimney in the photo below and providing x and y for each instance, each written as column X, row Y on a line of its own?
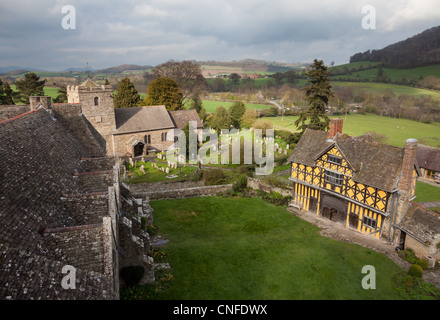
column 409, row 158
column 335, row 127
column 36, row 102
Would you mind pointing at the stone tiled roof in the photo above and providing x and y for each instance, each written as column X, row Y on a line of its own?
column 28, row 276
column 422, row 224
column 42, row 226
column 374, row 163
column 428, row 157
column 130, row 120
column 182, row 117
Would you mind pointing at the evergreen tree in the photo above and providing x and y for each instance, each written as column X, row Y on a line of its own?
column 29, row 86
column 318, row 94
column 127, row 96
column 164, row 91
column 196, row 103
column 62, row 95
column 236, row 112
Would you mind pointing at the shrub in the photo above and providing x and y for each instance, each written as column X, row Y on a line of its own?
column 152, row 230
column 132, row 275
column 247, row 169
column 287, row 136
column 424, row 263
column 415, row 271
column 240, row 184
column 214, row 177
column 408, row 255
column 281, row 160
column 275, row 198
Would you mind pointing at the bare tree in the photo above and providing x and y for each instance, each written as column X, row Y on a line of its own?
column 188, row 74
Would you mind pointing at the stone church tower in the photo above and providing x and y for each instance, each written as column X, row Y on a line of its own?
column 97, row 106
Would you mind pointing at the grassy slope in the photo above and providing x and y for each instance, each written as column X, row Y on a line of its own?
column 393, row 74
column 247, row 249
column 397, row 130
column 398, row 90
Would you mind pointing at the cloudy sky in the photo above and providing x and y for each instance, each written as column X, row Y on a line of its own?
column 109, row 33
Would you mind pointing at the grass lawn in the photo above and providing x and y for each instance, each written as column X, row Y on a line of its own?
column 245, row 248
column 396, row 130
column 426, row 192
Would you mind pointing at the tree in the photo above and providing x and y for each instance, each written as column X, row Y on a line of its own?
column 187, row 74
column 196, row 103
column 236, row 112
column 249, row 117
column 62, row 95
column 6, row 94
column 291, row 76
column 127, row 96
column 318, row 94
column 235, row 78
column 220, row 119
column 29, row 86
column 164, row 91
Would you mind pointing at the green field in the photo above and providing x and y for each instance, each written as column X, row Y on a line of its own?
column 394, row 74
column 48, row 91
column 397, row 131
column 211, row 105
column 398, row 90
column 245, row 248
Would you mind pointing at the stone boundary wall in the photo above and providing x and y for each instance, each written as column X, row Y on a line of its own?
column 179, row 192
column 263, row 186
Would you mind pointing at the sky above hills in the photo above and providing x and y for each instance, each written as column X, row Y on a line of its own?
column 35, row 33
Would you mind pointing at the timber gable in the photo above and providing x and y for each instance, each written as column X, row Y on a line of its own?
column 355, row 181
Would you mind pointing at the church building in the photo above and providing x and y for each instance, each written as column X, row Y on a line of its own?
column 128, row 131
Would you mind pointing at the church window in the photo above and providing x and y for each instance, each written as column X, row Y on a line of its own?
column 148, row 139
column 164, row 136
column 96, row 101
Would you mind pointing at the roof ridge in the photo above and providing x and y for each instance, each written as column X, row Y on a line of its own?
column 19, row 116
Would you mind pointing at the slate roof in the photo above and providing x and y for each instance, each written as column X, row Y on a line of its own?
column 182, row 117
column 374, row 163
column 39, row 163
column 130, row 120
column 428, row 157
column 421, row 223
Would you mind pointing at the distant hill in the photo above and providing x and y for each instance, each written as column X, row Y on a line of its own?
column 15, row 69
column 420, row 50
column 73, row 69
column 123, row 68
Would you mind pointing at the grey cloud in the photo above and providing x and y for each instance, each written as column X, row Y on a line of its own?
column 150, row 32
